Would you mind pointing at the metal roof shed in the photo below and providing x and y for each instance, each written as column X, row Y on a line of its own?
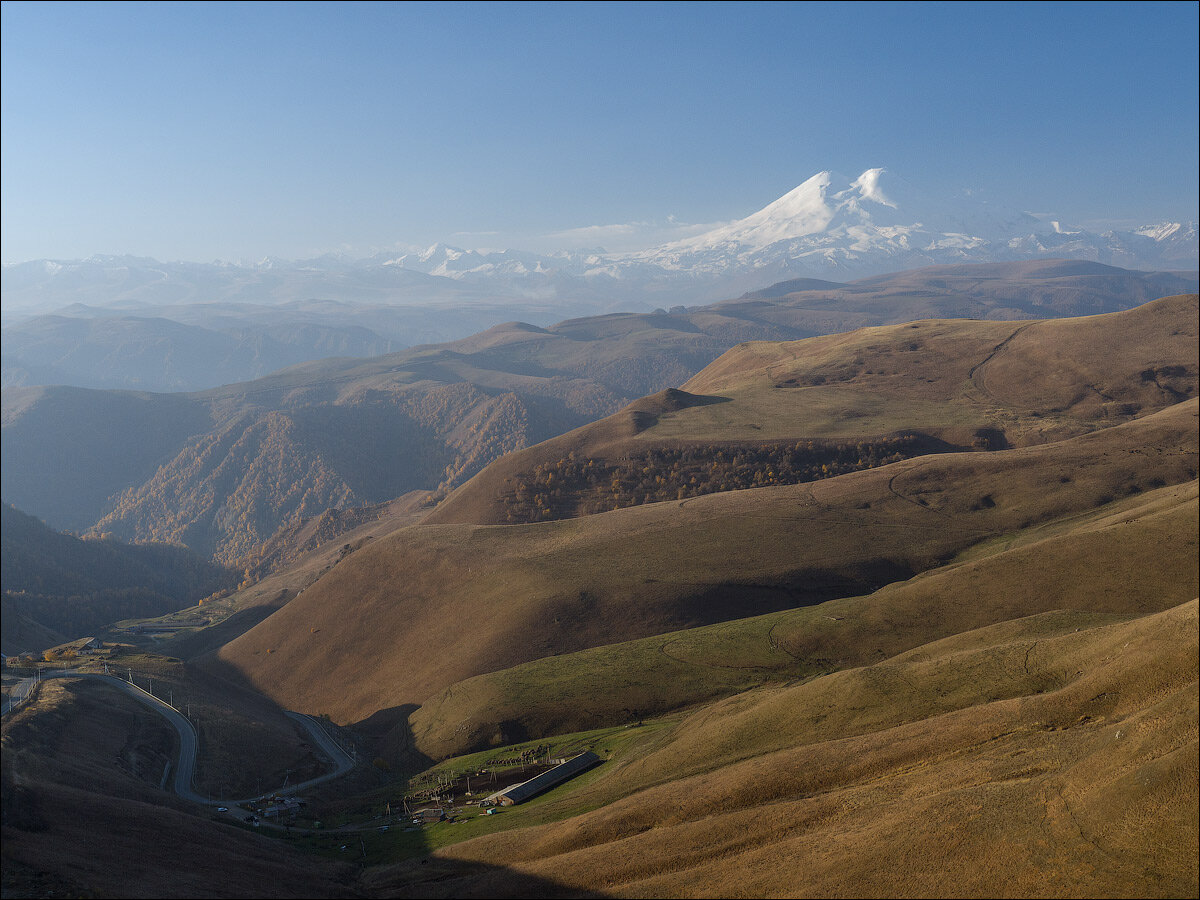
column 577, row 765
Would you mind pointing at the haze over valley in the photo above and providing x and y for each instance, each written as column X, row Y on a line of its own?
column 143, row 324
column 600, row 450
column 799, row 507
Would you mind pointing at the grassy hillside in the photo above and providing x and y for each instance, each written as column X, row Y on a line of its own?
column 964, row 672
column 224, row 470
column 411, row 613
column 1035, row 289
column 1126, row 558
column 1053, row 755
column 853, row 400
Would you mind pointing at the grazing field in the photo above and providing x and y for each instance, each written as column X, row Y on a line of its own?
column 1125, row 559
column 1047, row 756
column 431, row 605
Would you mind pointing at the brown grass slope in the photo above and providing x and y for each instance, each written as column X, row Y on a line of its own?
column 1129, row 557
column 222, row 470
column 1034, row 289
column 965, row 382
column 1038, row 757
column 424, row 607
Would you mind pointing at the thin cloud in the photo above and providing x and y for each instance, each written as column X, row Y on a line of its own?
column 627, row 236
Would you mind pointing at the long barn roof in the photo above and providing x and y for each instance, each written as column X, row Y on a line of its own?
column 551, row 778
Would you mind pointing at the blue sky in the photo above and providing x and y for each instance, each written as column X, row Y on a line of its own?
column 236, row 131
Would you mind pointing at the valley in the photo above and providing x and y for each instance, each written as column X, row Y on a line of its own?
column 599, row 450
column 224, row 470
column 906, row 600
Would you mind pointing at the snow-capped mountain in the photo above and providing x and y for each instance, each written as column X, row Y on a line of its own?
column 830, row 227
column 833, row 226
column 875, row 204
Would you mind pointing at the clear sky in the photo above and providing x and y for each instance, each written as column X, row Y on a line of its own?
column 236, row 131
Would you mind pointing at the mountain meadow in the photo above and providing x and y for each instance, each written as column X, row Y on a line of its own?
column 886, row 588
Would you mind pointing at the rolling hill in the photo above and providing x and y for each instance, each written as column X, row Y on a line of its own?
column 1052, row 755
column 963, row 666
column 489, row 597
column 223, row 470
column 944, row 384
column 1126, row 558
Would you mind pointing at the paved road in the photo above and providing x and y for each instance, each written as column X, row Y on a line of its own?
column 18, row 694
column 343, row 762
column 185, row 766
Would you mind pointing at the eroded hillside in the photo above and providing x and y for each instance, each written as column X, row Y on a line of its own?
column 224, row 470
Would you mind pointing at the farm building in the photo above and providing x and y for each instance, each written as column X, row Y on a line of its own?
column 281, row 806
column 551, row 778
column 80, row 647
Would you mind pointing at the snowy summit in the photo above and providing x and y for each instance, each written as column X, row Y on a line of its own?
column 830, row 226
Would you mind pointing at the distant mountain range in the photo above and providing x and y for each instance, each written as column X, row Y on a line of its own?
column 133, row 322
column 831, row 226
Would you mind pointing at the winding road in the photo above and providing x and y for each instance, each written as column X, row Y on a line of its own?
column 185, row 765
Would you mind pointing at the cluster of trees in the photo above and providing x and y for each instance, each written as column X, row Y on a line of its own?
column 498, row 426
column 79, row 615
column 75, row 587
column 573, row 486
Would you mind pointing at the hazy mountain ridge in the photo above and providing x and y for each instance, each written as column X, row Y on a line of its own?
column 355, row 432
column 162, row 355
column 245, row 320
column 830, row 225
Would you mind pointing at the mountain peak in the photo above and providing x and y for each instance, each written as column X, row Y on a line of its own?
column 868, row 186
column 832, row 220
column 818, row 205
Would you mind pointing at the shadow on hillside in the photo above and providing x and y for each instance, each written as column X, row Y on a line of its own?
column 434, row 877
column 705, row 399
column 427, row 875
column 807, row 587
column 391, row 737
column 214, row 637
